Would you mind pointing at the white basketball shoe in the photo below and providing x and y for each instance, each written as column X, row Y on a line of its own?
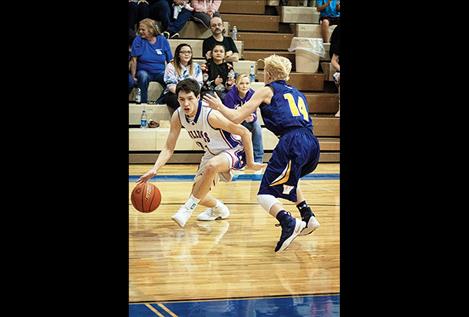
column 210, row 214
column 311, row 225
column 181, row 216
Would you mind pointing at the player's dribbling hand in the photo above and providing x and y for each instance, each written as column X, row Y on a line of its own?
column 213, row 102
column 256, row 166
column 145, row 177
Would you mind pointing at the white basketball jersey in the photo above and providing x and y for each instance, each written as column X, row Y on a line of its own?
column 208, row 138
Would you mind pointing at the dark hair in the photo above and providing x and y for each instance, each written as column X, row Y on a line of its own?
column 188, row 85
column 224, row 48
column 177, row 60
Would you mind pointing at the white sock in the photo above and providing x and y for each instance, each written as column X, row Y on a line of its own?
column 192, row 203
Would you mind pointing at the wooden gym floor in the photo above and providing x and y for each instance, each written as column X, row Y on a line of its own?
column 232, row 258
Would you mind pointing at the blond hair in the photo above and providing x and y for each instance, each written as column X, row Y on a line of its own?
column 277, row 67
column 240, row 76
column 151, row 25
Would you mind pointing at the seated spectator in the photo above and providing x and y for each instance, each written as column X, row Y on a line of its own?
column 218, row 75
column 329, row 15
column 238, row 95
column 180, row 13
column 334, row 53
column 217, row 28
column 204, row 10
column 150, row 52
column 180, row 68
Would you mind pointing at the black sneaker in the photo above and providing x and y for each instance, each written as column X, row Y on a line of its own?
column 175, row 35
column 289, row 232
column 166, row 34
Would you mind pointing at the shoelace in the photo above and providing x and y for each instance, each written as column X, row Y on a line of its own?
column 212, row 212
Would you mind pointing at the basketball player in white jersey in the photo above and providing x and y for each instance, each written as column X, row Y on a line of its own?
column 227, row 147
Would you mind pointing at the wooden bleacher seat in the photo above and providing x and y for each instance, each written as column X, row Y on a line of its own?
column 299, row 14
column 242, row 6
column 154, row 92
column 155, row 140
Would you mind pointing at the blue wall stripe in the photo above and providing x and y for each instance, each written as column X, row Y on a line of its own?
column 239, row 177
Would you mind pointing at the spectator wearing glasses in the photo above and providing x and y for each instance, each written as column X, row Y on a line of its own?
column 181, row 67
column 217, row 38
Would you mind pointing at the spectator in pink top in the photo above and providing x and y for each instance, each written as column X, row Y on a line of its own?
column 204, row 10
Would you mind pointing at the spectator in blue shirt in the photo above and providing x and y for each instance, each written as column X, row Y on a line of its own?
column 329, row 15
column 150, row 52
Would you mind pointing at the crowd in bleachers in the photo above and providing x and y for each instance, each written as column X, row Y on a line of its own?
column 153, row 22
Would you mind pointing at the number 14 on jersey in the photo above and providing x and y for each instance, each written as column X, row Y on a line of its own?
column 297, row 108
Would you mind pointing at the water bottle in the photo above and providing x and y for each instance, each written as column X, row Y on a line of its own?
column 252, row 74
column 234, row 33
column 138, row 96
column 143, row 120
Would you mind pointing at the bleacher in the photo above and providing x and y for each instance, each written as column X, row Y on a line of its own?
column 264, row 28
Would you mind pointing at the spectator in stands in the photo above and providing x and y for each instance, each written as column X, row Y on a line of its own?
column 150, row 53
column 181, row 11
column 238, row 95
column 141, row 9
column 180, row 68
column 329, row 15
column 218, row 75
column 334, row 53
column 163, row 11
column 204, row 10
column 231, row 51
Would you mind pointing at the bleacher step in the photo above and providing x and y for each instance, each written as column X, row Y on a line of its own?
column 155, row 140
column 240, row 6
column 245, row 22
column 255, row 55
column 265, row 41
column 302, row 81
column 298, row 14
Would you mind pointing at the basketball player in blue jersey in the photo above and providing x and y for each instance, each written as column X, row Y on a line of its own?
column 285, row 113
column 227, row 147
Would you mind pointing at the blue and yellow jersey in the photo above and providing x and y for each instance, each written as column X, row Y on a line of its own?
column 287, row 110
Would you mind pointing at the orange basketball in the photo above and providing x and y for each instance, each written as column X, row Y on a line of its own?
column 145, row 197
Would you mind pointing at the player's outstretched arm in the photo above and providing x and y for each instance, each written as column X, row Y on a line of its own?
column 262, row 95
column 167, row 152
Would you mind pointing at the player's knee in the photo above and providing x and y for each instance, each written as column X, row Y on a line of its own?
column 211, row 168
column 267, row 201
